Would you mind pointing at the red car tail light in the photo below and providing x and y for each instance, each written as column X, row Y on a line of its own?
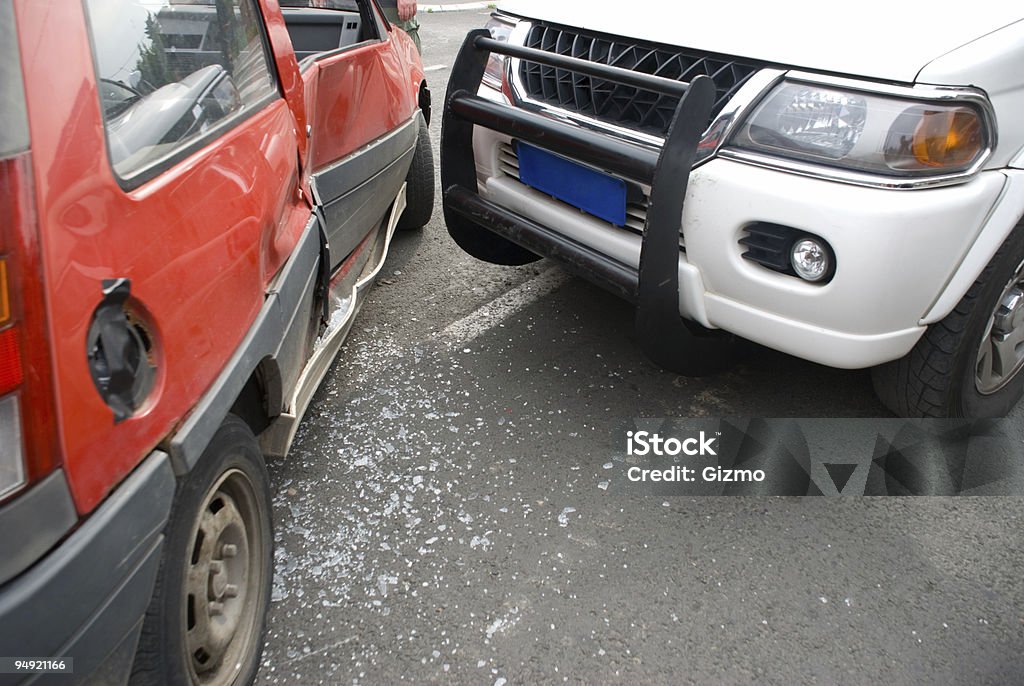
column 29, row 446
column 29, row 438
column 10, row 362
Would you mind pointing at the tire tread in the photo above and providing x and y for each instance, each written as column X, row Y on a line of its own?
column 419, row 190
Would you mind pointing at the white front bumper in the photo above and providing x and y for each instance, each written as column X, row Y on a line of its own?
column 896, row 251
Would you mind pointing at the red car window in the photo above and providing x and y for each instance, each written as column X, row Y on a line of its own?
column 172, row 73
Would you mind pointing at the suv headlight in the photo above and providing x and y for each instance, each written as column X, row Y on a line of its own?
column 500, row 27
column 868, row 132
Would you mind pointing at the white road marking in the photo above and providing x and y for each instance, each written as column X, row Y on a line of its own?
column 436, row 67
column 505, row 306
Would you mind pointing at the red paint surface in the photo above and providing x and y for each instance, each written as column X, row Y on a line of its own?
column 360, row 95
column 199, row 244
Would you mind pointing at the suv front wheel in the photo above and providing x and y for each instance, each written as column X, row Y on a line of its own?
column 970, row 364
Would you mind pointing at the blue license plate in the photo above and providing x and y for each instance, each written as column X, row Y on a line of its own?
column 592, row 191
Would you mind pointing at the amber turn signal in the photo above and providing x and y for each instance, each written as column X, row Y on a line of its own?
column 948, row 138
column 5, row 301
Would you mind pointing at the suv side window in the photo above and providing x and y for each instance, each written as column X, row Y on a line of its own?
column 174, row 73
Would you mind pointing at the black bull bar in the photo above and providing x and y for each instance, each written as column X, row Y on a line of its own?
column 663, row 335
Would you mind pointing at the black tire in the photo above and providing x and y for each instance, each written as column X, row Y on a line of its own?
column 485, row 245
column 219, row 547
column 940, row 377
column 700, row 352
column 419, row 189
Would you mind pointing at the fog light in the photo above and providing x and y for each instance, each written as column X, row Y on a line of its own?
column 810, row 259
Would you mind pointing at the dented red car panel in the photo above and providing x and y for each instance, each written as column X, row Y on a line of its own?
column 227, row 246
column 242, row 219
column 224, row 260
column 350, row 88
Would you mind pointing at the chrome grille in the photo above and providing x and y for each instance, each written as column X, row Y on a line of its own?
column 628, row 106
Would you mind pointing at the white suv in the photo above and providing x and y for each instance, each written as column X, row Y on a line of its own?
column 847, row 189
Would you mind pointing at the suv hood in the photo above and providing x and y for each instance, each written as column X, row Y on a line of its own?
column 891, row 40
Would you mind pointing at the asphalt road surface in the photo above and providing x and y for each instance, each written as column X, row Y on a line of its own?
column 441, row 517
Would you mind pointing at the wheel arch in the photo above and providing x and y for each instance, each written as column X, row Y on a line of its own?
column 252, row 371
column 424, row 100
column 1006, row 214
column 262, row 396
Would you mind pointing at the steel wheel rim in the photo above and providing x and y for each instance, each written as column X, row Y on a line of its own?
column 1001, row 353
column 223, row 579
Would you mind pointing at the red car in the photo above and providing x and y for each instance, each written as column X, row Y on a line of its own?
column 194, row 195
